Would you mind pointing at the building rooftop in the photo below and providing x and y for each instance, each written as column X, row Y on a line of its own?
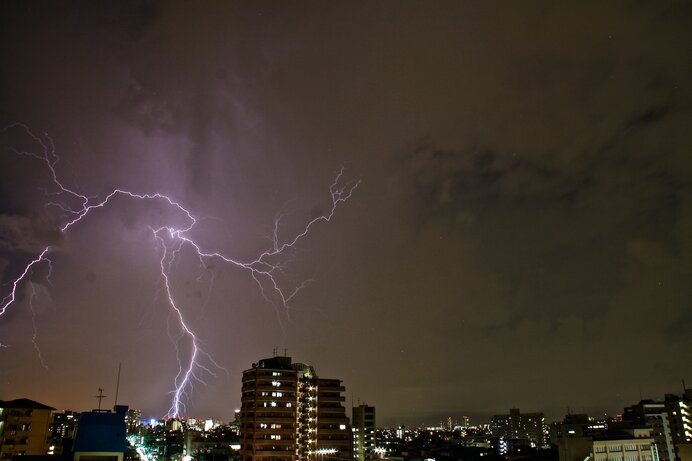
column 102, row 430
column 276, row 363
column 622, row 437
column 24, row 403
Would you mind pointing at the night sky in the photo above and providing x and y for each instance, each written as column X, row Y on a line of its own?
column 521, row 236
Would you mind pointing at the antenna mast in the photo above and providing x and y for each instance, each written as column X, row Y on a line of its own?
column 117, row 384
column 100, row 397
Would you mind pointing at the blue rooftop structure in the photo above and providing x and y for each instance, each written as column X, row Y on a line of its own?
column 101, row 431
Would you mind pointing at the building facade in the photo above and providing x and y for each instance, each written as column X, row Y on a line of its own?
column 288, row 413
column 520, row 426
column 101, row 435
column 679, row 412
column 637, row 447
column 24, row 428
column 62, row 432
column 653, row 415
column 364, row 430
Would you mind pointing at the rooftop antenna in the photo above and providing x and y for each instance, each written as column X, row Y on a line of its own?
column 285, row 352
column 100, row 397
column 274, row 352
column 117, row 384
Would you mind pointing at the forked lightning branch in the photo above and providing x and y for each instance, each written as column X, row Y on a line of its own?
column 263, row 269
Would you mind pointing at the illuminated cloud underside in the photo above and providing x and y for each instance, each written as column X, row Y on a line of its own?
column 171, row 240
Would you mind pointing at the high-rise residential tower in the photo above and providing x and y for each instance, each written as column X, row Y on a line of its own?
column 517, row 425
column 679, row 411
column 653, row 415
column 363, row 432
column 288, row 413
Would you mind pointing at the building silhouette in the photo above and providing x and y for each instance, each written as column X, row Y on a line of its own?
column 670, row 421
column 633, row 444
column 649, row 413
column 364, row 430
column 24, row 428
column 520, row 426
column 679, row 411
column 288, row 413
column 100, row 435
column 62, row 431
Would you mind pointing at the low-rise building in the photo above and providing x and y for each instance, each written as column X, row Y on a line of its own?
column 101, row 435
column 24, row 428
column 633, row 445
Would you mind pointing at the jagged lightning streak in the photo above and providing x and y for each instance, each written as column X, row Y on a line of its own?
column 32, row 297
column 171, row 240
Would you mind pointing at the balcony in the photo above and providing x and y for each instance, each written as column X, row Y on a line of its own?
column 274, row 445
column 327, row 432
column 331, row 412
column 288, row 387
column 276, row 419
column 280, row 431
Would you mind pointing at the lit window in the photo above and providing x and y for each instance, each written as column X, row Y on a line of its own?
column 276, row 383
column 342, row 426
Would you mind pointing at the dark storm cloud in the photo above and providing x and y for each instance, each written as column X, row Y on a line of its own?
column 651, row 115
column 28, row 235
column 565, row 220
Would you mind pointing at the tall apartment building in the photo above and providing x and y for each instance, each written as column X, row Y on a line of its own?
column 364, row 430
column 522, row 426
column 653, row 415
column 679, row 411
column 24, row 428
column 62, row 432
column 288, row 413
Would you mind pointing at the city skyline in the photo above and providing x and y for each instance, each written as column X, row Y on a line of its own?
column 441, row 419
column 520, row 235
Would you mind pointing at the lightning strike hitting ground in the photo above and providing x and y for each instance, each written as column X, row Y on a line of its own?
column 171, row 240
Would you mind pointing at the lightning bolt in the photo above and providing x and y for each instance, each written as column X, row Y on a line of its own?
column 263, row 268
column 34, row 336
